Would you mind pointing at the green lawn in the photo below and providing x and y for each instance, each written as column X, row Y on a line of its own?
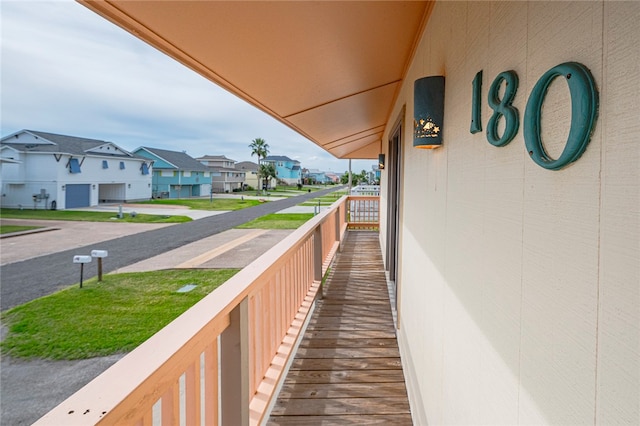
column 100, row 319
column 89, row 216
column 7, row 229
column 325, row 200
column 278, row 221
column 222, row 204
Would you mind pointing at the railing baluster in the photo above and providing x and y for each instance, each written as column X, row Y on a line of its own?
column 192, row 394
column 170, row 402
column 234, row 351
column 317, row 258
column 210, row 376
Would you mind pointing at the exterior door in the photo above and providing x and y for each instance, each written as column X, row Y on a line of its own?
column 77, row 195
column 393, row 205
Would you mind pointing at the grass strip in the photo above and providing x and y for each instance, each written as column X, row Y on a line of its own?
column 7, row 229
column 217, row 204
column 104, row 318
column 85, row 216
column 278, row 221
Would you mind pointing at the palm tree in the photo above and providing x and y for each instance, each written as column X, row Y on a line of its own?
column 260, row 148
column 267, row 171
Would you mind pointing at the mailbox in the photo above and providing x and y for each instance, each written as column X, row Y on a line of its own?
column 99, row 253
column 81, row 259
column 78, row 258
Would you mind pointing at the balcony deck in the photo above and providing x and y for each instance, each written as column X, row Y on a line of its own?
column 220, row 362
column 347, row 369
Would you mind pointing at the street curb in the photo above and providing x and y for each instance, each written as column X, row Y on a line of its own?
column 31, row 231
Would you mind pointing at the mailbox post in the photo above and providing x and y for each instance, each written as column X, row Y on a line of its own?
column 81, row 260
column 100, row 254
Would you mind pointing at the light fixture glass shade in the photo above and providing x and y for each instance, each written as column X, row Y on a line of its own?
column 428, row 112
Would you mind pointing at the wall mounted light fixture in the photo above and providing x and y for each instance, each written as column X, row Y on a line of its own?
column 428, row 112
column 381, row 161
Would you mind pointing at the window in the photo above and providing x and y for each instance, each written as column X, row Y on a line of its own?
column 122, row 165
column 186, row 174
column 74, row 165
column 166, row 173
column 105, row 164
column 145, row 169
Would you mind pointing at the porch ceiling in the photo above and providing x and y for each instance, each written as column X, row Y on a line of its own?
column 329, row 70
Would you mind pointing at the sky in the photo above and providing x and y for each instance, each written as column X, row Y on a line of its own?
column 66, row 70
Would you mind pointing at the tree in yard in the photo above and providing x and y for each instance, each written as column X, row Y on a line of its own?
column 344, row 179
column 267, row 171
column 260, row 148
column 356, row 178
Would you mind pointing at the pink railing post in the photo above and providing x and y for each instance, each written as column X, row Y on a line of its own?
column 337, row 228
column 234, row 376
column 318, row 258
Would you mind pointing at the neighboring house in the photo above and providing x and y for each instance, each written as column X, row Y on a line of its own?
column 317, row 176
column 287, row 170
column 332, row 177
column 225, row 177
column 176, row 174
column 50, row 171
column 250, row 170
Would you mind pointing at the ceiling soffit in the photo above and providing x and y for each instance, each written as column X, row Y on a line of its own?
column 329, row 70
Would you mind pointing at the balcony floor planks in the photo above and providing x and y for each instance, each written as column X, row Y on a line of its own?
column 347, row 369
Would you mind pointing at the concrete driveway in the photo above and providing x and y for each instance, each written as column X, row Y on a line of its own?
column 159, row 209
column 64, row 235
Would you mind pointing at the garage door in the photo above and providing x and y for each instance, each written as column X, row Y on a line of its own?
column 77, row 196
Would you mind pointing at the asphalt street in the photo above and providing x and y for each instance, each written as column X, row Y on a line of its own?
column 33, row 278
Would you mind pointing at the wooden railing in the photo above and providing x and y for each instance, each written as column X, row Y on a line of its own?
column 363, row 212
column 220, row 361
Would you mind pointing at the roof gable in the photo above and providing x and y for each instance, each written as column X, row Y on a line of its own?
column 247, row 166
column 108, row 149
column 280, row 158
column 214, row 158
column 36, row 141
column 173, row 159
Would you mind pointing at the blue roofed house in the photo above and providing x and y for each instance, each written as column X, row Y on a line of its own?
column 43, row 170
column 288, row 171
column 176, row 174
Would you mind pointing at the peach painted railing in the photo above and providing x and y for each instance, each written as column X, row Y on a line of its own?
column 220, row 361
column 363, row 211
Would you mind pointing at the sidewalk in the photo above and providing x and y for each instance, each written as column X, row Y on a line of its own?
column 160, row 209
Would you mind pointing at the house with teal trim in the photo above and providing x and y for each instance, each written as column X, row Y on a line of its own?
column 176, row 174
column 317, row 176
column 42, row 170
column 288, row 171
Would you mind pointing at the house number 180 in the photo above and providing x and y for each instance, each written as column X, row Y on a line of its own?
column 584, row 111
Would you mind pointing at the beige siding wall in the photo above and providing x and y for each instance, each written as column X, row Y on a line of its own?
column 519, row 286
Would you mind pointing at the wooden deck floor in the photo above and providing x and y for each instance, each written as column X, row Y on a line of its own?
column 347, row 369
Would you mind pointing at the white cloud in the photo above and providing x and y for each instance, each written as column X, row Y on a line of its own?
column 67, row 70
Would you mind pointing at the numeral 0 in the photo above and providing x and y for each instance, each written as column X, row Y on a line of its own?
column 584, row 111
